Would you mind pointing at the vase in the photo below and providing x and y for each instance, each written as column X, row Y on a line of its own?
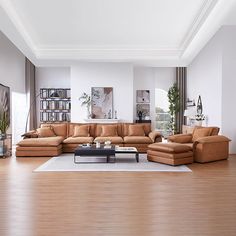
column 198, row 122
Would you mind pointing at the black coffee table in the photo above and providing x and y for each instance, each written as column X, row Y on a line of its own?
column 107, row 151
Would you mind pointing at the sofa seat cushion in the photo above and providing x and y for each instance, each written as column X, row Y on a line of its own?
column 41, row 142
column 137, row 139
column 78, row 140
column 169, row 147
column 114, row 140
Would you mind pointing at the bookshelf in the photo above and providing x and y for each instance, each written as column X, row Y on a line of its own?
column 55, row 104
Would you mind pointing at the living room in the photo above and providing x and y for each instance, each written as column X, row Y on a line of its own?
column 45, row 190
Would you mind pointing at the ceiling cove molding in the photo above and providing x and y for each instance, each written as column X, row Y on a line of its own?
column 201, row 17
column 208, row 28
column 106, row 54
column 10, row 11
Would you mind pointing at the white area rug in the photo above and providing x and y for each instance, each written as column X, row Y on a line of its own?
column 124, row 162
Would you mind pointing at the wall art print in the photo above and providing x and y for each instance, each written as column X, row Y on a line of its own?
column 143, row 96
column 102, row 103
column 5, row 102
column 143, row 109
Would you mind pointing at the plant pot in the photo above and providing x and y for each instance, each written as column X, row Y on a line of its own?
column 198, row 122
column 3, row 136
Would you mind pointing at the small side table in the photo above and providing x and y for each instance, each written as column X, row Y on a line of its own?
column 5, row 145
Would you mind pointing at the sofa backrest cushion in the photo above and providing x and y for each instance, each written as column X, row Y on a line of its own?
column 146, row 128
column 114, row 129
column 215, row 130
column 201, row 132
column 44, row 132
column 71, row 127
column 59, row 129
column 109, row 131
column 136, row 130
column 81, row 131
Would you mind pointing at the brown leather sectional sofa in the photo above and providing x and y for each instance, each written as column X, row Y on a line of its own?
column 53, row 139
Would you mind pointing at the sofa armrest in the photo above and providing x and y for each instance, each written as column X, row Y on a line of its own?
column 155, row 136
column 213, row 139
column 30, row 134
column 180, row 138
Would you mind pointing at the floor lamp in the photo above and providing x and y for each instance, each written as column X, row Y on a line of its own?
column 53, row 95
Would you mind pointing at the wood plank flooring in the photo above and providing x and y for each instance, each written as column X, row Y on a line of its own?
column 109, row 203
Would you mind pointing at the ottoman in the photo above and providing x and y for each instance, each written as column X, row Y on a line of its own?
column 170, row 153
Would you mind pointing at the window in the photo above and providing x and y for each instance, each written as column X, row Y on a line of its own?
column 161, row 110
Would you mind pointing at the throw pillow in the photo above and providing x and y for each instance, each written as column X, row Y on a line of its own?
column 201, row 132
column 81, row 131
column 136, row 130
column 109, row 131
column 45, row 132
column 30, row 134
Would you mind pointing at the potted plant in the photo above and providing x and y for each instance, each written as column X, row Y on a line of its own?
column 174, row 104
column 4, row 124
column 199, row 118
column 86, row 101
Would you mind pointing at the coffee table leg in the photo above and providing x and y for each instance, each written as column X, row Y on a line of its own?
column 137, row 157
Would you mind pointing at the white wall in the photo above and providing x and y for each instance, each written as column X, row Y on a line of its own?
column 212, row 75
column 51, row 77
column 205, row 79
column 229, row 85
column 116, row 75
column 150, row 78
column 12, row 74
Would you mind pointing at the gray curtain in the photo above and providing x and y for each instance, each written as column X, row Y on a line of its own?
column 181, row 77
column 30, row 94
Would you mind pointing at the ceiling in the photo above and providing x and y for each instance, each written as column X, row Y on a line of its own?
column 145, row 32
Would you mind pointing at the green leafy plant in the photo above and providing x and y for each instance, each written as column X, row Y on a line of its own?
column 4, row 124
column 174, row 106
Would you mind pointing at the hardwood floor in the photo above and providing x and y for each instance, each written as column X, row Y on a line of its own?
column 199, row 203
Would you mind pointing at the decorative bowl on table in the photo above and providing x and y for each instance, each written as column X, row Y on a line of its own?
column 107, row 143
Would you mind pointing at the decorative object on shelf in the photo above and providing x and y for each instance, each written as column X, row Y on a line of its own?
column 109, row 114
column 102, row 102
column 115, row 115
column 190, row 103
column 199, row 105
column 174, row 106
column 199, row 116
column 143, row 110
column 54, row 95
column 86, row 101
column 143, row 96
column 55, row 104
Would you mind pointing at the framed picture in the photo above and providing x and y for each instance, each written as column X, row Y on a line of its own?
column 144, row 109
column 102, row 102
column 5, row 102
column 143, row 96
